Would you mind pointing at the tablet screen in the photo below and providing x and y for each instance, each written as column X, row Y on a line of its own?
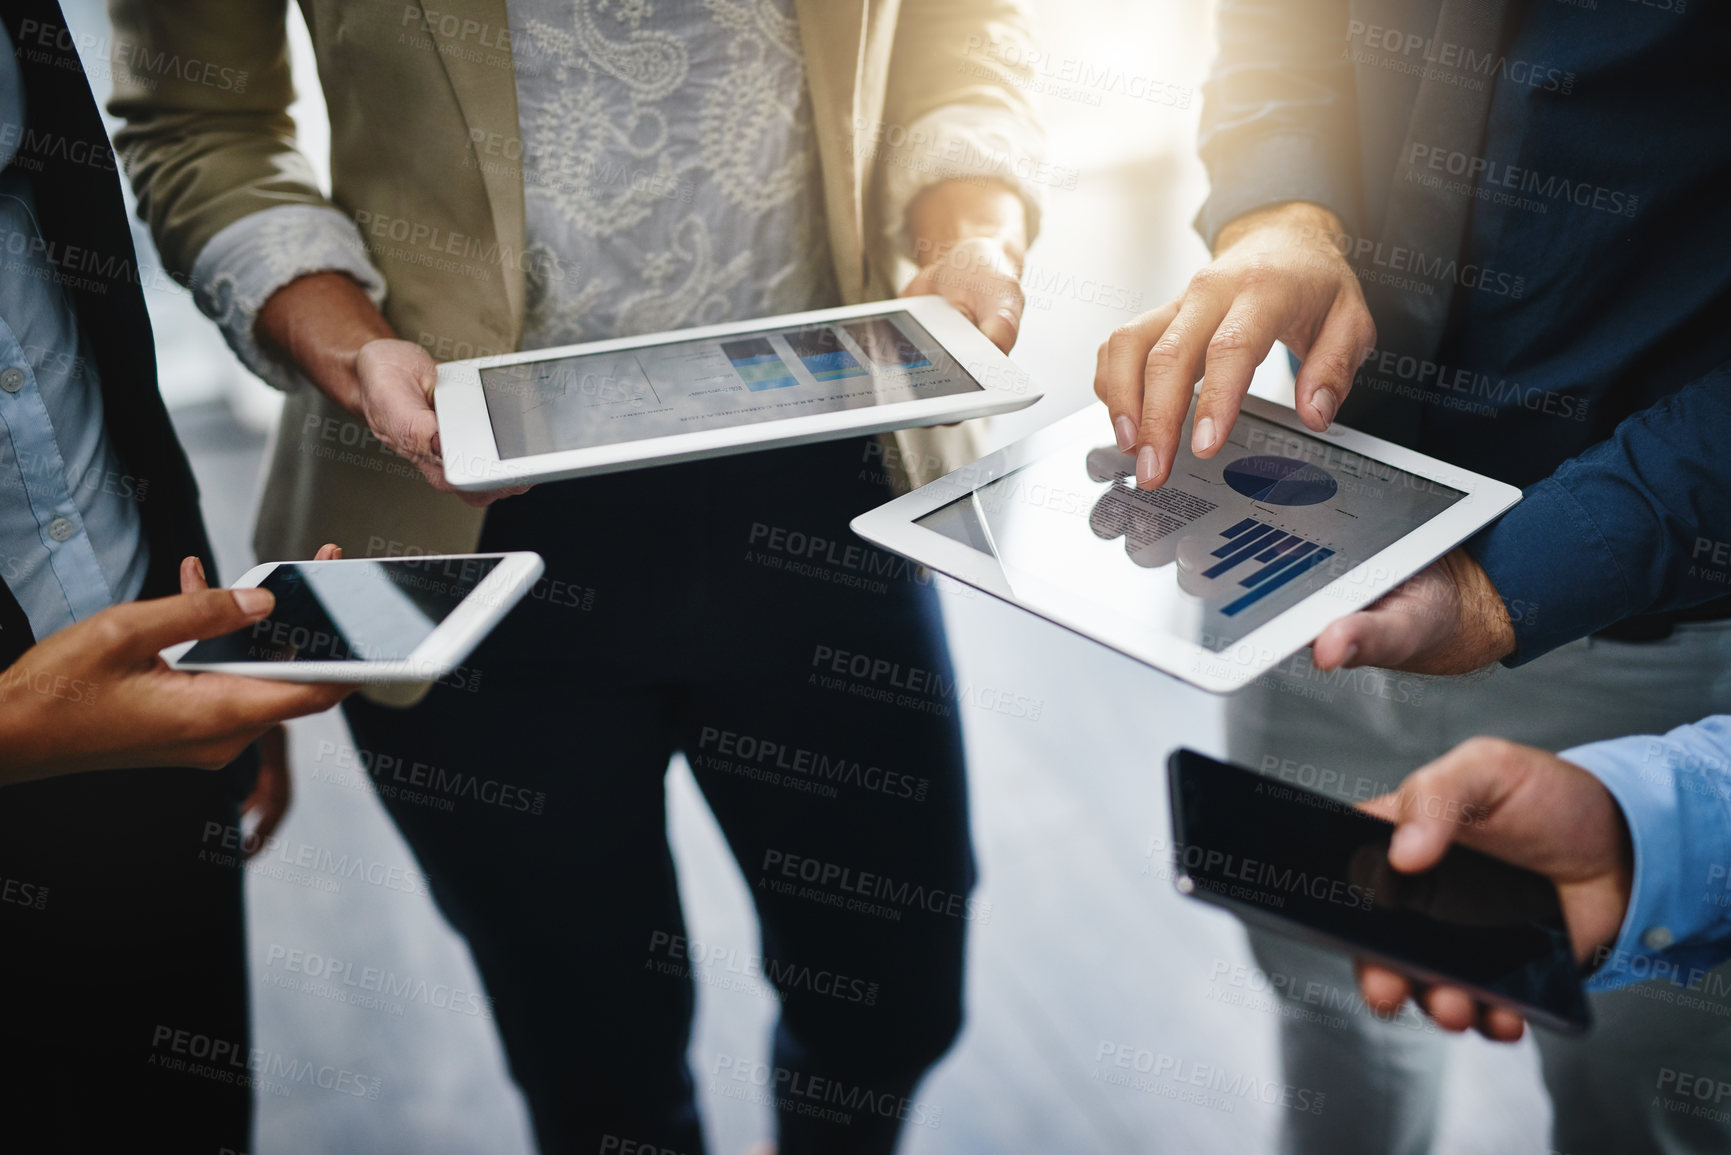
column 350, row 611
column 1222, row 548
column 716, row 383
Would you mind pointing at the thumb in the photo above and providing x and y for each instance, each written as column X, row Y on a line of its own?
column 150, row 626
column 1428, row 808
column 1386, row 635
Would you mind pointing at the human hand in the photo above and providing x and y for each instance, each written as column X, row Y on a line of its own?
column 328, row 326
column 395, row 394
column 1525, row 806
column 273, row 790
column 969, row 240
column 1276, row 275
column 983, row 281
column 1446, row 619
column 98, row 696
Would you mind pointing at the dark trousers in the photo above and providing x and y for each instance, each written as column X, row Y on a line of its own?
column 122, row 964
column 722, row 609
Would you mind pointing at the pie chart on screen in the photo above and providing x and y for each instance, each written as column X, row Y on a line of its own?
column 1281, row 481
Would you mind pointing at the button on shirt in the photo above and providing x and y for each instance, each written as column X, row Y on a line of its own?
column 71, row 538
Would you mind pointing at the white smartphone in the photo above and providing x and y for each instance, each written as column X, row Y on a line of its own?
column 400, row 619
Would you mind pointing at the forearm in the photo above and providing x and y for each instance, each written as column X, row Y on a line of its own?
column 320, row 322
column 25, row 743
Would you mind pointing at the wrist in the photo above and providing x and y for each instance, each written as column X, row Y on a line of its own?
column 1302, row 219
column 950, row 212
column 321, row 322
column 1606, row 915
column 1492, row 631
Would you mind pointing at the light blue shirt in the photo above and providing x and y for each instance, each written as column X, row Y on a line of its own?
column 1675, row 793
column 71, row 538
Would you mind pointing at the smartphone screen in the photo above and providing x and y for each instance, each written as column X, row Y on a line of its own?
column 1298, row 861
column 350, row 611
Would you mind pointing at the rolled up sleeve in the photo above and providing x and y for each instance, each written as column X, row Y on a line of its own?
column 249, row 260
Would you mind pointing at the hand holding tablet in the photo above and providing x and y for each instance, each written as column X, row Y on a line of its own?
column 404, row 619
column 1239, row 560
column 735, row 388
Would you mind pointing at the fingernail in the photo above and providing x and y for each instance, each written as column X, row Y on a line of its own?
column 1325, row 403
column 337, row 556
column 198, row 565
column 254, row 602
column 1351, row 653
column 1126, row 430
column 1147, row 466
column 1203, row 439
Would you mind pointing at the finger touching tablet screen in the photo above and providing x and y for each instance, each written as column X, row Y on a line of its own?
column 1236, row 562
column 727, row 389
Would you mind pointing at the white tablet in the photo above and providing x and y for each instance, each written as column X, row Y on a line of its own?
column 1234, row 564
column 654, row 400
column 400, row 619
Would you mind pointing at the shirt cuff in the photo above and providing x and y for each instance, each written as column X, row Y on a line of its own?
column 252, row 258
column 1275, row 170
column 964, row 142
column 1675, row 795
column 1535, row 555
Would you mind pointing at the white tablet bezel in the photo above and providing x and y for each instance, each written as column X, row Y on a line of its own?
column 471, row 455
column 453, row 640
column 893, row 526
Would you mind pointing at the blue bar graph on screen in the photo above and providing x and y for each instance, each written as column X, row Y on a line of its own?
column 1281, row 557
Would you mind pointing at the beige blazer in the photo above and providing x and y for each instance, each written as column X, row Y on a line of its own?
column 419, row 99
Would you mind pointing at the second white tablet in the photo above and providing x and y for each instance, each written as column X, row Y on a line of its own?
column 1235, row 563
column 667, row 397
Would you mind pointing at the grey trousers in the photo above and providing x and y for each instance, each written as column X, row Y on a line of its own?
column 1634, row 1083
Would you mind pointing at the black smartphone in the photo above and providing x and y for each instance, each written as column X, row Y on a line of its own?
column 1302, row 864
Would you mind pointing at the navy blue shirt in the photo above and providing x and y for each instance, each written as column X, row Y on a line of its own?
column 1591, row 363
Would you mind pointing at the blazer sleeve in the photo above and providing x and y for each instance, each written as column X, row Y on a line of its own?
column 209, row 140
column 1279, row 112
column 958, row 106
